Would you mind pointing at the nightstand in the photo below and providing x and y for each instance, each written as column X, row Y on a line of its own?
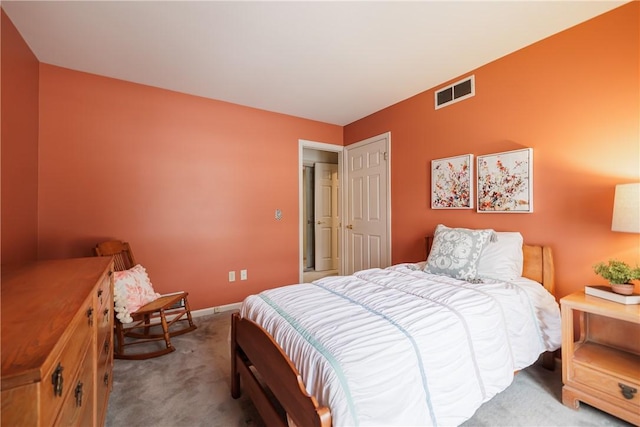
column 602, row 367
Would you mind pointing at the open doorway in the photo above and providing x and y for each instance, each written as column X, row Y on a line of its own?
column 320, row 210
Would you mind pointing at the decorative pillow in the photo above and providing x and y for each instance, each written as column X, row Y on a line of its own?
column 132, row 290
column 502, row 259
column 455, row 251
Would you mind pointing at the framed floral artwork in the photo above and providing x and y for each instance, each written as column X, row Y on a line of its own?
column 451, row 182
column 505, row 182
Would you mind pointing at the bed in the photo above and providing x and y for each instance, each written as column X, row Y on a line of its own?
column 393, row 346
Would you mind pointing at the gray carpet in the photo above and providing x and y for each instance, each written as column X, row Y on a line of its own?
column 190, row 388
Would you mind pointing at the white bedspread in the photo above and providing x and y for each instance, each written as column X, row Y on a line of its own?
column 400, row 347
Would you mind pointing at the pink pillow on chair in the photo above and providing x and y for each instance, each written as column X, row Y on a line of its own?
column 132, row 290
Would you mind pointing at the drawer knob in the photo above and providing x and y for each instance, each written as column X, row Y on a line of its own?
column 627, row 391
column 90, row 315
column 78, row 394
column 57, row 380
column 106, row 379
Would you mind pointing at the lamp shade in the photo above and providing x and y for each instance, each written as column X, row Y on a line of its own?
column 626, row 208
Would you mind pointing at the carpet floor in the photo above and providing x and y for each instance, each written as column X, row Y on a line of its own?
column 190, row 388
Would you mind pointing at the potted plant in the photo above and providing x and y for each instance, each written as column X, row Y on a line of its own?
column 619, row 275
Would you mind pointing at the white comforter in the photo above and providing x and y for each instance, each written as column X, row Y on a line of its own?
column 400, row 347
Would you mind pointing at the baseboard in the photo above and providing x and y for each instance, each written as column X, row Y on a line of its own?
column 214, row 310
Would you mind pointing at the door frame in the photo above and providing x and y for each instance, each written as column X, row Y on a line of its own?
column 320, row 146
column 345, row 195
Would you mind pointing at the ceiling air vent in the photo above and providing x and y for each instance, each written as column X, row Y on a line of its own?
column 456, row 92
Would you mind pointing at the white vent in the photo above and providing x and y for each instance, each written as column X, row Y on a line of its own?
column 458, row 91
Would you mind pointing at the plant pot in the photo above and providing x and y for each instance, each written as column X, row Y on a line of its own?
column 622, row 288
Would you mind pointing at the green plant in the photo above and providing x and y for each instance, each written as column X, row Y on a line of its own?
column 617, row 272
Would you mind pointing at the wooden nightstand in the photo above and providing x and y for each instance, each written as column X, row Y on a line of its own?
column 602, row 367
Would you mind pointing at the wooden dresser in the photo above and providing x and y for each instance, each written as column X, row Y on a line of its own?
column 57, row 342
column 602, row 367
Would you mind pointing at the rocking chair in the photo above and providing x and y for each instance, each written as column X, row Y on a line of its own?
column 165, row 312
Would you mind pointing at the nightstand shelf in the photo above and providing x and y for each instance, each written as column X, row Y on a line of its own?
column 608, row 359
column 601, row 367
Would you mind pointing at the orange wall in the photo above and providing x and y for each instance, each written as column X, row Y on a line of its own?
column 19, row 147
column 191, row 183
column 574, row 99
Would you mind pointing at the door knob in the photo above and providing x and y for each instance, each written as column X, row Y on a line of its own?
column 350, row 227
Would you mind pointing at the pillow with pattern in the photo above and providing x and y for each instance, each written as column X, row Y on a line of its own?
column 455, row 252
column 132, row 290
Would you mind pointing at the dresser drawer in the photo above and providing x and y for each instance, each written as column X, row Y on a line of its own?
column 105, row 312
column 105, row 351
column 608, row 384
column 104, row 323
column 65, row 367
column 103, row 292
column 77, row 409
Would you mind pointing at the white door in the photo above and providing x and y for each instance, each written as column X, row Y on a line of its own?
column 326, row 216
column 368, row 202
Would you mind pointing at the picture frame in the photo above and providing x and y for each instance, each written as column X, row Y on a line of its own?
column 451, row 186
column 505, row 182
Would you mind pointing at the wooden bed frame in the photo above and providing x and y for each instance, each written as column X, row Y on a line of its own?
column 275, row 385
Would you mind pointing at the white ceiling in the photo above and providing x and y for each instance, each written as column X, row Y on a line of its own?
column 331, row 61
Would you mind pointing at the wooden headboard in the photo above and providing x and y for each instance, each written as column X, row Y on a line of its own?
column 538, row 264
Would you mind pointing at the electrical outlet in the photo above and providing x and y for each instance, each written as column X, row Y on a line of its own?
column 243, row 274
column 232, row 276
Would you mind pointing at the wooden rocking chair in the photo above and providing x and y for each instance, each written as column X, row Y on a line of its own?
column 165, row 312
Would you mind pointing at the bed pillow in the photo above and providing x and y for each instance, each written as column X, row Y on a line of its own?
column 132, row 290
column 455, row 252
column 502, row 259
